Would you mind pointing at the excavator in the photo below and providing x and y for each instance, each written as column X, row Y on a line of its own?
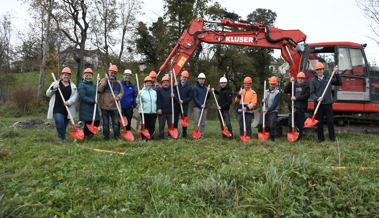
column 356, row 99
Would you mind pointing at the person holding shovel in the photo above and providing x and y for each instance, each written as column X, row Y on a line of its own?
column 199, row 93
column 185, row 91
column 300, row 98
column 317, row 87
column 164, row 105
column 271, row 110
column 108, row 103
column 149, row 101
column 248, row 105
column 87, row 93
column 128, row 100
column 153, row 76
column 225, row 99
column 57, row 108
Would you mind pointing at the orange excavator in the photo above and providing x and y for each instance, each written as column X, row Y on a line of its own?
column 359, row 93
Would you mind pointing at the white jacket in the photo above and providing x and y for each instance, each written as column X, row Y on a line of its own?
column 71, row 101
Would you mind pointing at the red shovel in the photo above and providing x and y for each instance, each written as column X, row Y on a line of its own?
column 243, row 137
column 292, row 136
column 311, row 122
column 126, row 134
column 183, row 120
column 91, row 127
column 144, row 131
column 76, row 133
column 263, row 135
column 173, row 131
column 223, row 131
column 195, row 132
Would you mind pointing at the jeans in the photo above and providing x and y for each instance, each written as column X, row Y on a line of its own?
column 226, row 116
column 61, row 122
column 115, row 124
column 248, row 118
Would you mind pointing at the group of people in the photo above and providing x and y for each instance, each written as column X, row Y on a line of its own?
column 155, row 101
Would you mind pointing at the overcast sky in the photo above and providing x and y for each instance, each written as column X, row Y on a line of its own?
column 321, row 21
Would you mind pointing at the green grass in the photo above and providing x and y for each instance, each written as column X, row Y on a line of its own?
column 186, row 177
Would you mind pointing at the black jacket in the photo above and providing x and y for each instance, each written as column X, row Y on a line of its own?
column 164, row 99
column 317, row 86
column 225, row 97
column 301, row 93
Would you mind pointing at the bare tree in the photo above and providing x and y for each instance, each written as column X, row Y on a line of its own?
column 371, row 10
column 5, row 34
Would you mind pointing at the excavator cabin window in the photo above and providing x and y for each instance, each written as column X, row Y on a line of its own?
column 325, row 55
column 351, row 61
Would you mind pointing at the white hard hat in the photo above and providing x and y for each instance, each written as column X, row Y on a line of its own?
column 223, row 80
column 201, row 76
column 127, row 71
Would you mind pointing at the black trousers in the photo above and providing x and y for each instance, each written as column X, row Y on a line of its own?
column 177, row 114
column 299, row 121
column 149, row 124
column 325, row 110
column 163, row 119
column 86, row 130
column 128, row 112
column 226, row 116
column 271, row 121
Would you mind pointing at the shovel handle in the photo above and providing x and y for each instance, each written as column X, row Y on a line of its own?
column 177, row 90
column 172, row 99
column 219, row 111
column 293, row 107
column 97, row 88
column 140, row 101
column 243, row 114
column 202, row 109
column 68, row 110
column 264, row 105
column 323, row 93
column 115, row 101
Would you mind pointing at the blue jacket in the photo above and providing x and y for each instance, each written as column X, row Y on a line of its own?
column 149, row 101
column 198, row 93
column 185, row 94
column 128, row 100
column 87, row 92
column 164, row 99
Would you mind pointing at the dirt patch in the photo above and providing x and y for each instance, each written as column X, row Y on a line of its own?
column 33, row 123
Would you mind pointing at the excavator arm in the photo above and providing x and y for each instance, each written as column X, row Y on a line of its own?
column 256, row 35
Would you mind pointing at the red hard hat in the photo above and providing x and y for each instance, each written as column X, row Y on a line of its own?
column 273, row 79
column 66, row 70
column 148, row 78
column 300, row 75
column 319, row 66
column 165, row 78
column 185, row 73
column 153, row 74
column 88, row 70
column 113, row 68
column 247, row 80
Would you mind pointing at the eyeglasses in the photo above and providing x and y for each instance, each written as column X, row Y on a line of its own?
column 319, row 69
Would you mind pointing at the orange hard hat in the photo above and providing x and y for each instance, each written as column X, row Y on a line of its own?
column 300, row 75
column 247, row 80
column 185, row 73
column 319, row 66
column 153, row 74
column 88, row 70
column 165, row 78
column 113, row 68
column 273, row 79
column 66, row 70
column 148, row 78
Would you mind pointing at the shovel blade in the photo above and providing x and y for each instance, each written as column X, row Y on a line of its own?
column 292, row 136
column 173, row 132
column 146, row 133
column 128, row 135
column 226, row 132
column 78, row 134
column 92, row 128
column 184, row 121
column 244, row 138
column 196, row 134
column 263, row 135
column 125, row 120
column 310, row 122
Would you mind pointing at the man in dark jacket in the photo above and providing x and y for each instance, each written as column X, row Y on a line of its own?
column 185, row 91
column 128, row 100
column 317, row 86
column 300, row 98
column 164, row 105
column 225, row 99
column 199, row 94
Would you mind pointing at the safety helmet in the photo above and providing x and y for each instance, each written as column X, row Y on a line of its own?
column 273, row 79
column 300, row 75
column 153, row 74
column 223, row 80
column 127, row 71
column 88, row 70
column 247, row 80
column 201, row 76
column 66, row 70
column 148, row 78
column 185, row 73
column 113, row 68
column 319, row 66
column 165, row 78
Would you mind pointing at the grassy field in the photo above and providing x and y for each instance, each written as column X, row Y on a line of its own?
column 186, row 177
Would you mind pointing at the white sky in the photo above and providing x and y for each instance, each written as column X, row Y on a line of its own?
column 321, row 21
